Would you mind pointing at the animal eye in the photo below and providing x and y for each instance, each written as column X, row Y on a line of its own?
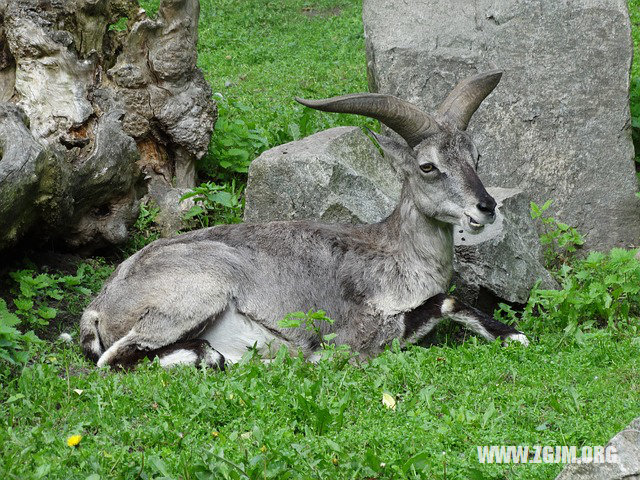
column 428, row 167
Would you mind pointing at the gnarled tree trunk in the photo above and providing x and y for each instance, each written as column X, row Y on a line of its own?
column 93, row 115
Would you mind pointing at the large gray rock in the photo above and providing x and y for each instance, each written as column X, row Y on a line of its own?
column 336, row 176
column 558, row 124
column 339, row 176
column 91, row 110
column 627, row 466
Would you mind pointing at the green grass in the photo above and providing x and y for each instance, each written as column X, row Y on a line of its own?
column 272, row 51
column 258, row 55
column 319, row 421
column 634, row 15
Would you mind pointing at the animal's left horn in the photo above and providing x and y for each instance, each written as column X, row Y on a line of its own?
column 467, row 96
column 402, row 117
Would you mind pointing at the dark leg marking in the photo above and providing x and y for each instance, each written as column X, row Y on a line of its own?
column 87, row 340
column 421, row 320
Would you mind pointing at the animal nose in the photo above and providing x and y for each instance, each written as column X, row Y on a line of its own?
column 487, row 206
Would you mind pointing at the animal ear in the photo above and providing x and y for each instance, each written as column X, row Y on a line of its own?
column 400, row 153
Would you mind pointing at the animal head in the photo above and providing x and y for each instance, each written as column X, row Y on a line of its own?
column 437, row 156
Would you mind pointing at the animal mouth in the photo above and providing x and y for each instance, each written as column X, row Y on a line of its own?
column 474, row 224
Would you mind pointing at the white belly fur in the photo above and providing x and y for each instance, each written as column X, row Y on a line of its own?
column 233, row 334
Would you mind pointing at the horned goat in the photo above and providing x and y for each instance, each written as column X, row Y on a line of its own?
column 206, row 296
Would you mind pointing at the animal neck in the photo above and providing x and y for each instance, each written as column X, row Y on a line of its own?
column 419, row 238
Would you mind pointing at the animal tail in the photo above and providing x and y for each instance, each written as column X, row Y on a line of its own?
column 89, row 335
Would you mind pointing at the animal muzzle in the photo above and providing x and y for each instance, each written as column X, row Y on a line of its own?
column 483, row 213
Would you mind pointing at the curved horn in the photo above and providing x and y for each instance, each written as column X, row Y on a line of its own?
column 467, row 96
column 402, row 117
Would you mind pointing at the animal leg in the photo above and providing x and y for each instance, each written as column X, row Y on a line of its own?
column 128, row 351
column 196, row 352
column 419, row 322
column 479, row 322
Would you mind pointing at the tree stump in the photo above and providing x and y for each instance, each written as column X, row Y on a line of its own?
column 98, row 102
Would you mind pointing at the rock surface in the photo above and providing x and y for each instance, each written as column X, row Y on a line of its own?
column 105, row 98
column 627, row 467
column 499, row 263
column 557, row 126
column 336, row 176
column 339, row 176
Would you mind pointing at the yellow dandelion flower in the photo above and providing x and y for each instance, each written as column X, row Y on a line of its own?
column 74, row 440
column 215, row 434
column 263, row 448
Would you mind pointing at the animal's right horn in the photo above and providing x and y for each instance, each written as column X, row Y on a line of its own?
column 467, row 96
column 402, row 117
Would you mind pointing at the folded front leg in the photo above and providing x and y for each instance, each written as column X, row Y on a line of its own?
column 420, row 321
column 480, row 323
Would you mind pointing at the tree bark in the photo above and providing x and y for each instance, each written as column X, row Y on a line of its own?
column 91, row 114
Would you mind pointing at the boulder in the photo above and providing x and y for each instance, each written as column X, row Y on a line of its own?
column 557, row 126
column 626, row 466
column 339, row 176
column 98, row 100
